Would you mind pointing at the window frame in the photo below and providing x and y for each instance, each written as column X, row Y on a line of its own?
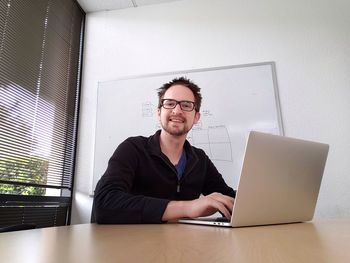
column 40, row 204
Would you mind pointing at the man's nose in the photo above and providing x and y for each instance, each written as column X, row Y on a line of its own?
column 177, row 108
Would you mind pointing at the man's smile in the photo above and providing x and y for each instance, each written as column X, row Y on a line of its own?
column 177, row 119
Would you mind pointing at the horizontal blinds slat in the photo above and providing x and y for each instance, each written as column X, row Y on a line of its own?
column 54, row 162
column 17, row 31
column 37, row 186
column 21, row 172
column 41, row 127
column 44, row 146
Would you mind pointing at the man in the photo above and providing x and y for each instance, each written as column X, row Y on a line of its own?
column 161, row 178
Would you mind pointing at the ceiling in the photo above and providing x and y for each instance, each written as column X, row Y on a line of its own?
column 103, row 5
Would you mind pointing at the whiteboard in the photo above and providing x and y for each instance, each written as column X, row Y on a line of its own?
column 236, row 99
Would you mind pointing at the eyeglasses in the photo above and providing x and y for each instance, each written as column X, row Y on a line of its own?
column 185, row 105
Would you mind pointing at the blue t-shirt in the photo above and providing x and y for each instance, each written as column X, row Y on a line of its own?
column 180, row 167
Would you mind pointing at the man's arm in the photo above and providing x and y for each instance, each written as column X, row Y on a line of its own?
column 113, row 206
column 113, row 202
column 203, row 206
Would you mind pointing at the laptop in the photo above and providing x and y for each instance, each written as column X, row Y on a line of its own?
column 279, row 183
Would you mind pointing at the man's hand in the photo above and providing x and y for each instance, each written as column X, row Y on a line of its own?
column 203, row 206
column 210, row 204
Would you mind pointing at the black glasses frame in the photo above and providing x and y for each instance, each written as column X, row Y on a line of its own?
column 182, row 103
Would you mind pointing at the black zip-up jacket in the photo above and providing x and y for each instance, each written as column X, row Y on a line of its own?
column 140, row 181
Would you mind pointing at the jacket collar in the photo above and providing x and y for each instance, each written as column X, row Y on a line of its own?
column 153, row 145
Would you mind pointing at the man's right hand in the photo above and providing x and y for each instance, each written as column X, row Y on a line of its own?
column 203, row 206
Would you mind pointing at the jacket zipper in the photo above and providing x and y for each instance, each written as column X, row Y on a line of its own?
column 178, row 186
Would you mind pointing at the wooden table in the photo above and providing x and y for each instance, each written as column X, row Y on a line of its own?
column 320, row 241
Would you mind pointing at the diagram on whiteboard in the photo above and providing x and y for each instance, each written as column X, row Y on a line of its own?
column 148, row 109
column 214, row 140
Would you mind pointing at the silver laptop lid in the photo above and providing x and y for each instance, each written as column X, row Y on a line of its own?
column 280, row 180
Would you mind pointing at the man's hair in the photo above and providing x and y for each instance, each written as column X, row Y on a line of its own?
column 184, row 82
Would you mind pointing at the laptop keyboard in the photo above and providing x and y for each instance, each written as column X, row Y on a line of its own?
column 222, row 219
column 212, row 219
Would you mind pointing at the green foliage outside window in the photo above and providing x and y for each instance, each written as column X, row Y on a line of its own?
column 23, row 169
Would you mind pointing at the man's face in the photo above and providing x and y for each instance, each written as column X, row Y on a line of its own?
column 178, row 122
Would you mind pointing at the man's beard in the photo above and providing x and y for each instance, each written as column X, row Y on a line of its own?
column 174, row 131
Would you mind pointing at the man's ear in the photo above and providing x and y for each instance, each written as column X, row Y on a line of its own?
column 197, row 116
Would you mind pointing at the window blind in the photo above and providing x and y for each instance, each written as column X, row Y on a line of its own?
column 40, row 51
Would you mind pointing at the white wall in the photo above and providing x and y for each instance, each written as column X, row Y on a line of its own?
column 308, row 40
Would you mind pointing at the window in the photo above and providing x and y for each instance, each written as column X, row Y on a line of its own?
column 40, row 51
